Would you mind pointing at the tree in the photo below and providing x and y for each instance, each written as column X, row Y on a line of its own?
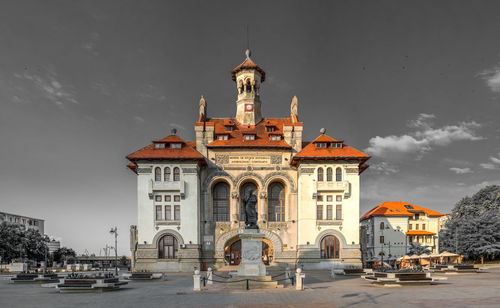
column 11, row 241
column 35, row 245
column 473, row 229
column 418, row 249
column 63, row 253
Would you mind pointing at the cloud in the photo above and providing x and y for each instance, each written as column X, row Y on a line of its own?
column 139, row 119
column 461, row 170
column 492, row 78
column 423, row 138
column 493, row 164
column 51, row 88
column 488, row 166
column 384, row 168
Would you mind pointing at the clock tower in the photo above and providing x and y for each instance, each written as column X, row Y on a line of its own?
column 248, row 76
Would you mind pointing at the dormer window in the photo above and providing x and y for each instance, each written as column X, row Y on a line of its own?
column 175, row 145
column 229, row 128
column 270, row 129
column 249, row 137
column 408, row 206
column 222, row 137
column 159, row 145
column 321, row 145
column 336, row 144
column 275, row 137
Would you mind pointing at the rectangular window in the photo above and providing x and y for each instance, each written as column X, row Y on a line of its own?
column 158, row 212
column 423, row 226
column 168, row 212
column 416, row 226
column 177, row 198
column 229, row 128
column 329, row 212
column 410, row 227
column 381, row 239
column 275, row 137
column 159, row 145
column 222, row 137
column 168, row 198
column 338, row 213
column 319, row 198
column 321, row 145
column 270, row 129
column 417, row 216
column 177, row 212
column 329, row 198
column 158, row 198
column 249, row 137
column 175, row 145
column 338, row 198
column 319, row 212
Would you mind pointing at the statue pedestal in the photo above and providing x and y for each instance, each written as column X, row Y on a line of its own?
column 251, row 254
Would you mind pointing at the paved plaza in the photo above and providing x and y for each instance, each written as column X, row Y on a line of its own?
column 466, row 290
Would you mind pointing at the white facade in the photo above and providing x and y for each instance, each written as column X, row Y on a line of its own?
column 388, row 236
column 230, row 157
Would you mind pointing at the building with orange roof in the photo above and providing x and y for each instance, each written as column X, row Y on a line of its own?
column 387, row 230
column 190, row 193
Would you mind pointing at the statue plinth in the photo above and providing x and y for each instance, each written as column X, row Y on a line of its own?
column 251, row 254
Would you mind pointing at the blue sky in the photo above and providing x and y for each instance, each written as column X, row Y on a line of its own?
column 84, row 83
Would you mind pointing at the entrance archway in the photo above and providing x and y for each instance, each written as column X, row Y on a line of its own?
column 232, row 252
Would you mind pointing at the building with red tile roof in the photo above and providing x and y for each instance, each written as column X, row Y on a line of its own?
column 191, row 193
column 391, row 226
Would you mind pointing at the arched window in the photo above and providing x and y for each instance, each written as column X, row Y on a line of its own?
column 330, row 247
column 382, row 226
column 320, row 174
column 338, row 174
column 167, row 247
column 221, row 201
column 276, row 202
column 157, row 174
column 166, row 174
column 329, row 174
column 177, row 174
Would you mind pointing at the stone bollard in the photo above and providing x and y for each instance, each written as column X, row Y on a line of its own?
column 299, row 283
column 288, row 274
column 196, row 281
column 209, row 276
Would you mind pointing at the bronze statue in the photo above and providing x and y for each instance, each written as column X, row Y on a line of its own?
column 250, row 203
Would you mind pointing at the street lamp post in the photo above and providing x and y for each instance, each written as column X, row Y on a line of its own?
column 115, row 232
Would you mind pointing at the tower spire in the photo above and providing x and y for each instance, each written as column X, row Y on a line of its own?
column 248, row 77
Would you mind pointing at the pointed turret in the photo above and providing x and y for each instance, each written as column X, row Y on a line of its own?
column 248, row 77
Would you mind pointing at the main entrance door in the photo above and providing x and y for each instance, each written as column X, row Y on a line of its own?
column 234, row 253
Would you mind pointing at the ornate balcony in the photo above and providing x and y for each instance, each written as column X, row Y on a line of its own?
column 332, row 186
column 176, row 186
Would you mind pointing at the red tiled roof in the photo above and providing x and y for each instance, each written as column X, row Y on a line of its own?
column 133, row 167
column 397, row 208
column 248, row 64
column 420, row 232
column 236, row 135
column 310, row 151
column 186, row 152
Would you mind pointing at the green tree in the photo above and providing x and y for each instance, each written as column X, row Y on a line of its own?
column 418, row 249
column 473, row 229
column 11, row 241
column 63, row 253
column 35, row 245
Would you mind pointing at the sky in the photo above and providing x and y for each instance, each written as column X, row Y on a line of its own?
column 416, row 84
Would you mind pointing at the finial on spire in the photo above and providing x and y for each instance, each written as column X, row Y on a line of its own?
column 322, row 131
column 248, row 53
